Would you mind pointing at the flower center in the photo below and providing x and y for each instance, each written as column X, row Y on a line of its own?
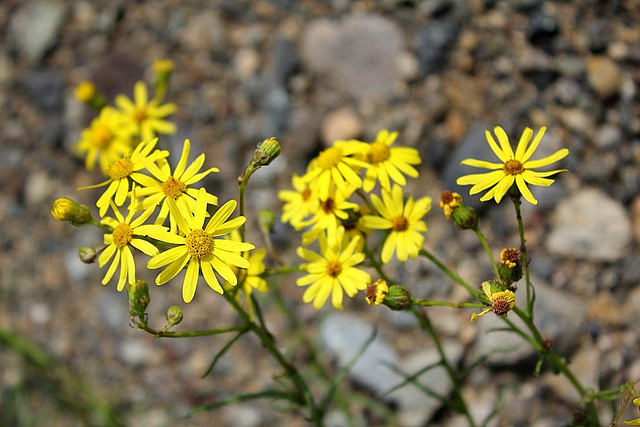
column 199, row 243
column 510, row 257
column 102, row 136
column 379, row 152
column 512, row 167
column 328, row 206
column 330, row 158
column 173, row 187
column 120, row 168
column 500, row 306
column 400, row 224
column 122, row 235
column 139, row 115
column 306, row 194
column 334, row 268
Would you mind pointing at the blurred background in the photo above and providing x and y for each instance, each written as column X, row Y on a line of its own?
column 440, row 72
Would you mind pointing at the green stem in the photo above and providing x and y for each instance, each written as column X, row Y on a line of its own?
column 531, row 296
column 487, row 249
column 377, row 266
column 303, row 393
column 446, row 270
column 202, row 333
column 460, row 404
column 281, row 270
column 429, row 303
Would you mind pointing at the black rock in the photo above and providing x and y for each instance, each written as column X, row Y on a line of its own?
column 433, row 43
column 45, row 89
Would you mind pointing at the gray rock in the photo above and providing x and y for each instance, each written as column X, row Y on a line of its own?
column 284, row 59
column 590, row 225
column 35, row 27
column 415, row 406
column 45, row 88
column 343, row 336
column 604, row 76
column 358, row 54
column 542, row 28
column 558, row 315
column 608, row 136
column 433, row 43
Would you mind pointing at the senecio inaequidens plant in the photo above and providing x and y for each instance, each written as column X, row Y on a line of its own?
column 349, row 190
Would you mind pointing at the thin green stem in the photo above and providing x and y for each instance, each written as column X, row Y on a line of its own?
column 281, row 270
column 446, row 270
column 377, row 266
column 202, row 333
column 430, row 303
column 487, row 249
column 531, row 296
column 459, row 402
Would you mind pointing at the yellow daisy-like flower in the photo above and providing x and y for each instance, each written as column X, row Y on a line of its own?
column 299, row 203
column 377, row 292
column 335, row 209
column 404, row 221
column 389, row 162
column 514, row 167
column 174, row 186
column 127, row 232
column 145, row 115
column 198, row 248
column 501, row 301
column 107, row 139
column 121, row 170
column 336, row 166
column 332, row 271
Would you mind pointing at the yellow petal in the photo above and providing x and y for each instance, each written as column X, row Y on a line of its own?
column 534, row 145
column 558, row 155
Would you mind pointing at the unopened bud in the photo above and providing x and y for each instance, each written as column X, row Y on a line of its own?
column 266, row 152
column 87, row 254
column 174, row 316
column 86, row 92
column 139, row 299
column 67, row 210
column 510, row 268
column 398, row 298
column 266, row 219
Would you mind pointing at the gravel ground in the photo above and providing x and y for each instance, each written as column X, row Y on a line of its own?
column 310, row 72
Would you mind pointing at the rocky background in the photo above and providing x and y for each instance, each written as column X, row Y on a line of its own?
column 309, row 72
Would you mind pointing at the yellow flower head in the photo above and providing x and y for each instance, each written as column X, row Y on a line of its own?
column 386, row 162
column 338, row 167
column 502, row 301
column 146, row 116
column 107, row 139
column 176, row 186
column 513, row 167
column 199, row 249
column 85, row 91
column 332, row 271
column 404, row 220
column 299, row 203
column 449, row 202
column 376, row 292
column 126, row 232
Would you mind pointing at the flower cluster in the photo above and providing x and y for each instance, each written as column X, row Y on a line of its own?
column 333, row 202
column 168, row 212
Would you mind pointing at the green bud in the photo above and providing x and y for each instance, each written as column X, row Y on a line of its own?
column 174, row 316
column 87, row 254
column 510, row 266
column 67, row 210
column 139, row 298
column 398, row 298
column 266, row 152
column 266, row 219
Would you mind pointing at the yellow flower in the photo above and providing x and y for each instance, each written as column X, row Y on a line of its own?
column 389, row 162
column 335, row 167
column 176, row 186
column 376, row 292
column 404, row 221
column 125, row 233
column 501, row 301
column 199, row 248
column 513, row 167
column 299, row 203
column 121, row 170
column 145, row 115
column 85, row 91
column 106, row 140
column 329, row 217
column 449, row 202
column 331, row 271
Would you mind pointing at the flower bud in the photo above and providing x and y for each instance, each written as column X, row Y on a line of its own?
column 139, row 299
column 376, row 292
column 454, row 208
column 67, row 210
column 87, row 254
column 510, row 268
column 174, row 316
column 398, row 298
column 86, row 92
column 266, row 152
column 266, row 219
